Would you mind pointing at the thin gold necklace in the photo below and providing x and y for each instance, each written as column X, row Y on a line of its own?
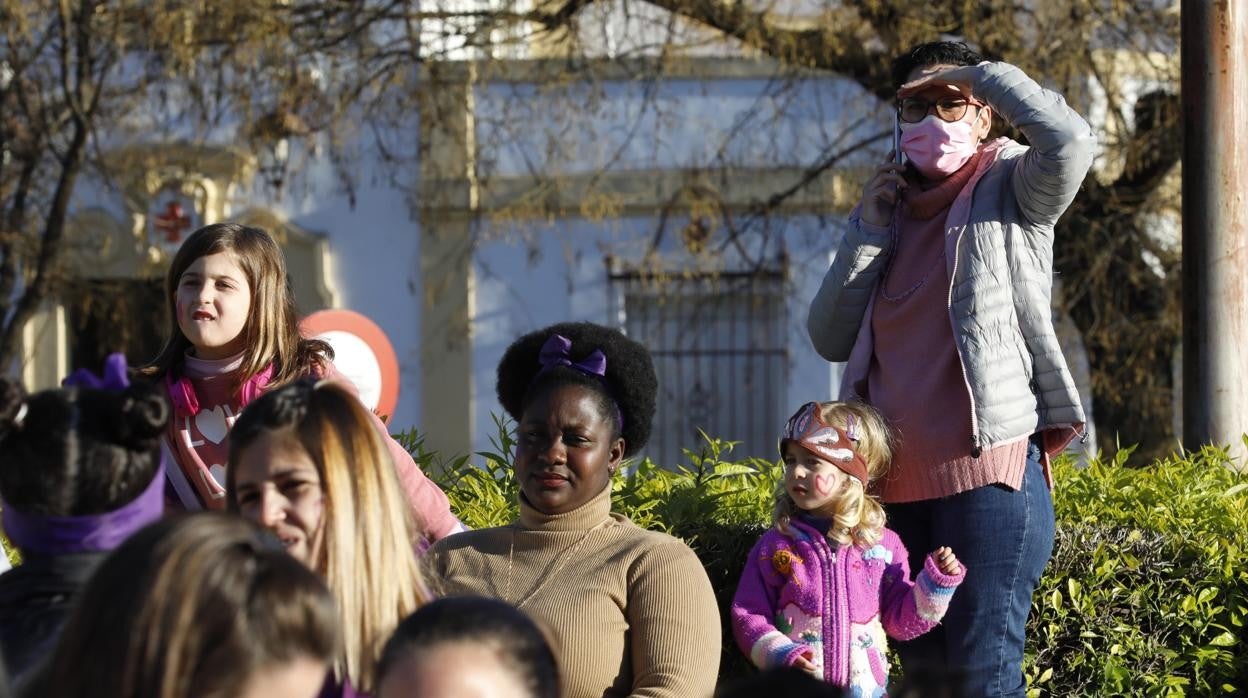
column 567, row 554
column 888, row 272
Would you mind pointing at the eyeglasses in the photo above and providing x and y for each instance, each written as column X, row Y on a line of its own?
column 912, row 110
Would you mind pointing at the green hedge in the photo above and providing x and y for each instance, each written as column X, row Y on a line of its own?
column 1148, row 588
column 1145, row 596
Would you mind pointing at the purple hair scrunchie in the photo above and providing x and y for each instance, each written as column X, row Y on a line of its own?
column 557, row 351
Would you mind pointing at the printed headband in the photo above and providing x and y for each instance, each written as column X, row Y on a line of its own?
column 827, row 441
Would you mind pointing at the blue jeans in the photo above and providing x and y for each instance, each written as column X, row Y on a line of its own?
column 1005, row 538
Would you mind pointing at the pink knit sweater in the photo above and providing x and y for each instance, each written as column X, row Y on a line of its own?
column 800, row 596
column 916, row 380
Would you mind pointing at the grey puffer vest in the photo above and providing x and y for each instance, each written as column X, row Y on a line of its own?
column 999, row 256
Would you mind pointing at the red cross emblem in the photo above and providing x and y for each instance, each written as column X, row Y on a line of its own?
column 172, row 222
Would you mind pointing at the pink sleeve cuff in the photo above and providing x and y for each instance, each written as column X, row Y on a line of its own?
column 799, row 650
column 941, row 579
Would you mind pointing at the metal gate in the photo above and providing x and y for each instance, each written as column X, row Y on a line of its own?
column 720, row 351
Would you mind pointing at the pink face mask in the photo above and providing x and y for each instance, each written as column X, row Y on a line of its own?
column 939, row 148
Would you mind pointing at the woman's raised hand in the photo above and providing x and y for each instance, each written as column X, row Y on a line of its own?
column 879, row 195
column 959, row 79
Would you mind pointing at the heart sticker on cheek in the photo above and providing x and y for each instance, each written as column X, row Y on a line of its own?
column 823, row 484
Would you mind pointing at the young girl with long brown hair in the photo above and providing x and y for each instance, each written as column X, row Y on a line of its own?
column 234, row 334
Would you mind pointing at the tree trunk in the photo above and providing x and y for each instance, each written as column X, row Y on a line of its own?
column 50, row 245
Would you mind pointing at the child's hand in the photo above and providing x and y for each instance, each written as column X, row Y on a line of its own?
column 805, row 663
column 947, row 561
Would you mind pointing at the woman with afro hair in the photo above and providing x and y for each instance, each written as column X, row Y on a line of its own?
column 631, row 611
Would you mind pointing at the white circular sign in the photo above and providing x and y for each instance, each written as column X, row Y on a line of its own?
column 361, row 353
column 354, row 358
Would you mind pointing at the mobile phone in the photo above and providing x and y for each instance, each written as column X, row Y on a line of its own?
column 898, row 156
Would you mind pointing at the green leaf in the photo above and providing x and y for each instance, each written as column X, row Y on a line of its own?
column 1225, row 639
column 733, row 470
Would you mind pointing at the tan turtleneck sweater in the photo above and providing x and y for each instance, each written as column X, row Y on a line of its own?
column 631, row 611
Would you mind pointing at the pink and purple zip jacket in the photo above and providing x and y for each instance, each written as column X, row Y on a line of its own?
column 799, row 597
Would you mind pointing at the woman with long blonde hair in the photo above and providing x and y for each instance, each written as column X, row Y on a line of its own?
column 307, row 464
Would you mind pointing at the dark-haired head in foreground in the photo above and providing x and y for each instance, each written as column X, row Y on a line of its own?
column 78, row 451
column 783, row 682
column 79, row 471
column 458, row 644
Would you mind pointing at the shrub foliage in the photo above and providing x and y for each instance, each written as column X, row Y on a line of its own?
column 1148, row 587
column 1146, row 594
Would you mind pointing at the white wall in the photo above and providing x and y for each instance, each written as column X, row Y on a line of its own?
column 771, row 121
column 374, row 253
column 560, row 275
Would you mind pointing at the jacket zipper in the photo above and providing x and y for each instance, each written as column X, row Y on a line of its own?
column 835, row 670
column 957, row 345
column 827, row 617
column 839, row 563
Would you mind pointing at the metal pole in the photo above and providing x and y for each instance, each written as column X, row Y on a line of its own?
column 1215, row 222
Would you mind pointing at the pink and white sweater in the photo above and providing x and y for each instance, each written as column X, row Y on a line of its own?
column 200, row 444
column 800, row 597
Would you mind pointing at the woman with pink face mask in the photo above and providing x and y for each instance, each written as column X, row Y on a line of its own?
column 939, row 300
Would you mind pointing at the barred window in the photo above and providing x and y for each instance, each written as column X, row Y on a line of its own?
column 720, row 351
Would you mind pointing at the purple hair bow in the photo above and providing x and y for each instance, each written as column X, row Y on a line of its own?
column 556, row 352
column 114, row 377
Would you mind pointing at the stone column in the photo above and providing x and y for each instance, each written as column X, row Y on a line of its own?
column 448, row 206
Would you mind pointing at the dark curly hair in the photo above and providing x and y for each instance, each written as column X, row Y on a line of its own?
column 625, row 394
column 78, row 451
column 932, row 53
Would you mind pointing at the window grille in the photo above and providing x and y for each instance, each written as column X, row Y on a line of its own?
column 721, row 353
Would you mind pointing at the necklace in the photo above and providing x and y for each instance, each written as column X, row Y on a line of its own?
column 923, row 205
column 919, row 284
column 565, row 556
